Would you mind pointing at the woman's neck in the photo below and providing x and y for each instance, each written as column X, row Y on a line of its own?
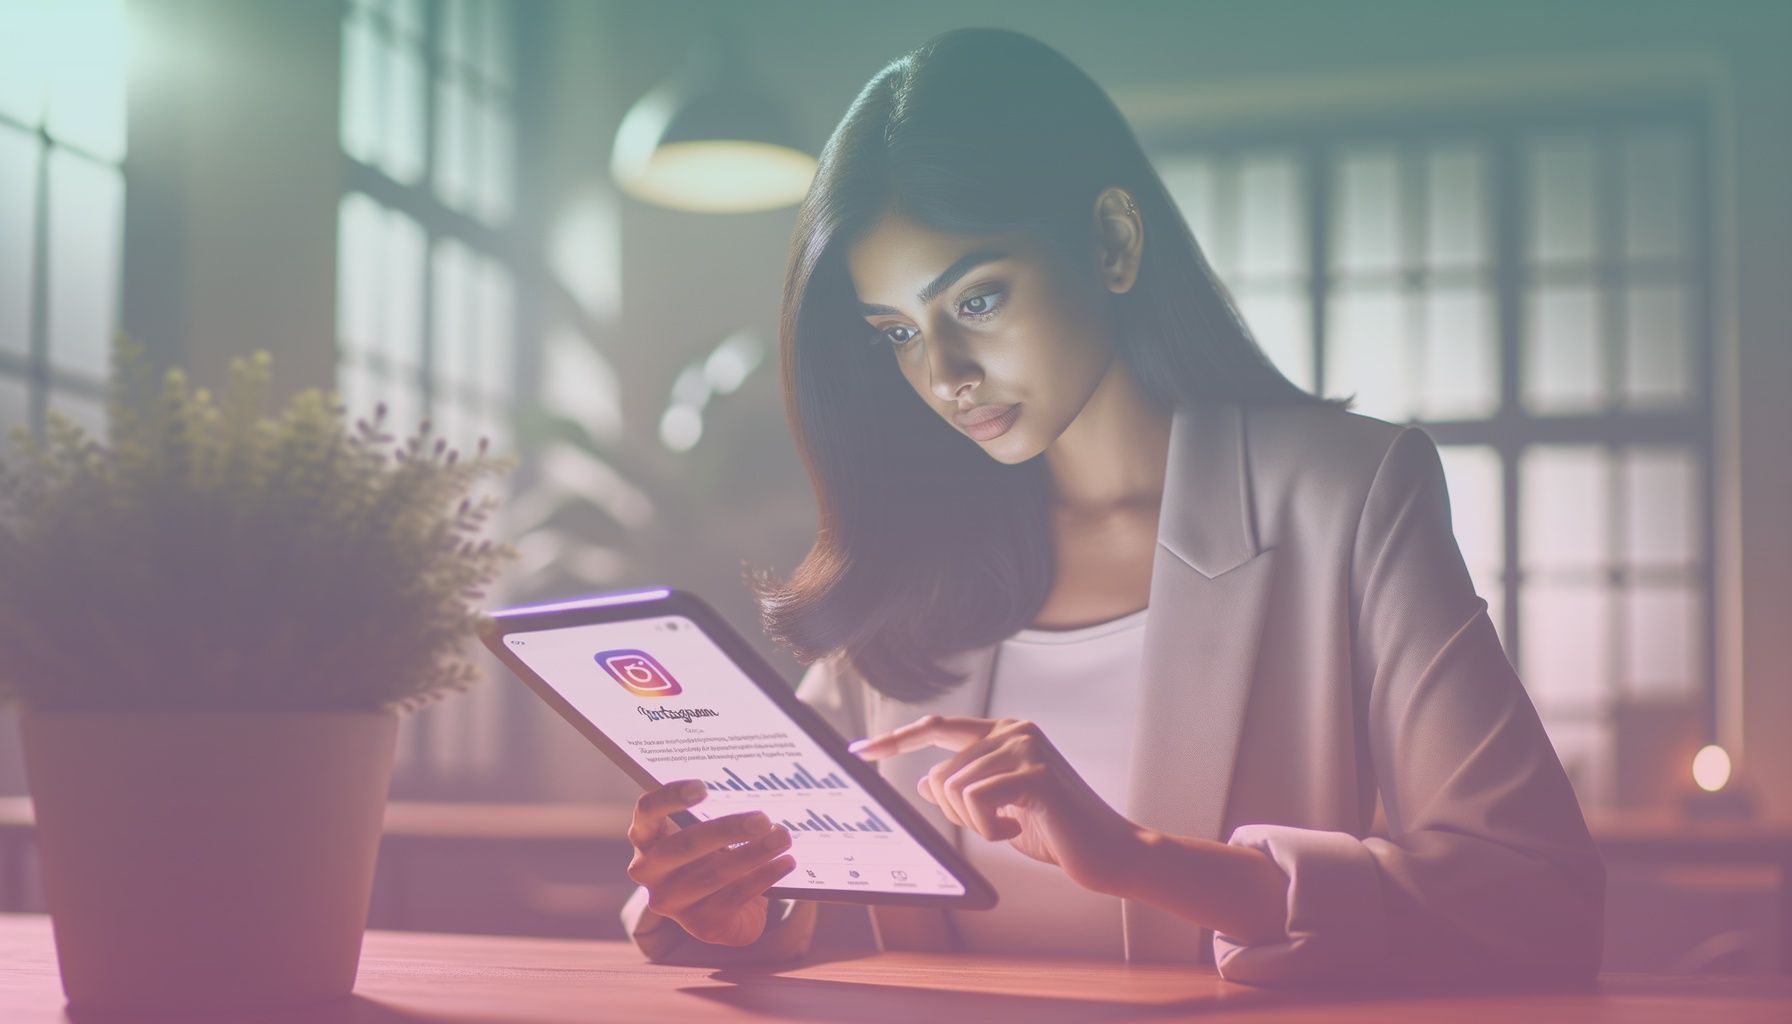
column 1111, row 459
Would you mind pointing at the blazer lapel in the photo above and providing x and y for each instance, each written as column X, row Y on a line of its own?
column 1210, row 582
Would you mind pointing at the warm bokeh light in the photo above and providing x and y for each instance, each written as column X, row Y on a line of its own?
column 1711, row 768
column 722, row 176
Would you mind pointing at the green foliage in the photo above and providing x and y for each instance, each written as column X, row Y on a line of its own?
column 214, row 557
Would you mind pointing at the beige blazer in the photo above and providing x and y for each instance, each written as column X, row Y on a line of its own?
column 1316, row 664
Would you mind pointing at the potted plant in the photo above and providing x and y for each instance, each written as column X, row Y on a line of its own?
column 210, row 625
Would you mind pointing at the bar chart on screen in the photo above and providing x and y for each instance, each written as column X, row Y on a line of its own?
column 731, row 735
column 837, row 839
column 802, row 779
column 818, row 822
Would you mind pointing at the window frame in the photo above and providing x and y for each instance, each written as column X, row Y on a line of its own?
column 44, row 381
column 1511, row 429
column 418, row 773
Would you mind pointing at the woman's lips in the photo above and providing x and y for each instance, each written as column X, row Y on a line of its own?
column 990, row 427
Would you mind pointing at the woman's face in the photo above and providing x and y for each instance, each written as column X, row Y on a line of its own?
column 987, row 323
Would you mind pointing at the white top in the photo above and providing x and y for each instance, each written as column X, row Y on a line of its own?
column 1081, row 686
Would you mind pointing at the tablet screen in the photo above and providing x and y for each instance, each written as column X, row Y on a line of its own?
column 662, row 690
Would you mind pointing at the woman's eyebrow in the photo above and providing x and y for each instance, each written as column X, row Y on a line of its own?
column 960, row 267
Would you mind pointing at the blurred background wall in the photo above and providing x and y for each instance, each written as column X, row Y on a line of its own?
column 1557, row 235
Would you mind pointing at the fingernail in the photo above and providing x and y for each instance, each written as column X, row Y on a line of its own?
column 777, row 839
column 758, row 824
column 857, row 745
column 691, row 790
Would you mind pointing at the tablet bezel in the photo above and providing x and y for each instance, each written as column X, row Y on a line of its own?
column 653, row 602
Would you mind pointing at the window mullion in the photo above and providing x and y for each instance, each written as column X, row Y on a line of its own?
column 1319, row 172
column 37, row 353
column 432, row 31
column 1508, row 318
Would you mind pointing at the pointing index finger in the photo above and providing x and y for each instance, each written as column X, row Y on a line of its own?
column 952, row 732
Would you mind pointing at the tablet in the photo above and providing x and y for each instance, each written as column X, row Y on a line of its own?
column 660, row 683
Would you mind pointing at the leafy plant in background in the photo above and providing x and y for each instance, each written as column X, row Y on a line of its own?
column 212, row 556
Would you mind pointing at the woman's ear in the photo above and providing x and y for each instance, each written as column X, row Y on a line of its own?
column 1120, row 239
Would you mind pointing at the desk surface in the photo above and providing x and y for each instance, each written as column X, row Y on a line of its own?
column 1627, row 834
column 418, row 978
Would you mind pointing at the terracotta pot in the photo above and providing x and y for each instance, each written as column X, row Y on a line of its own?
column 204, row 860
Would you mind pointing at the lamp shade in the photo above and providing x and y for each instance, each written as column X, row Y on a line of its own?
column 709, row 141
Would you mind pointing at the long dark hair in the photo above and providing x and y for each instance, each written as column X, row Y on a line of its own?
column 927, row 545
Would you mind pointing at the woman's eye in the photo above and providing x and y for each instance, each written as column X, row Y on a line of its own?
column 890, row 333
column 976, row 307
column 982, row 305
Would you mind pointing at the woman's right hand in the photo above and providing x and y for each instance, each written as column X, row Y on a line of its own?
column 710, row 877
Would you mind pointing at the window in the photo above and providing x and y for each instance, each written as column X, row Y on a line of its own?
column 62, row 147
column 1533, row 293
column 426, row 308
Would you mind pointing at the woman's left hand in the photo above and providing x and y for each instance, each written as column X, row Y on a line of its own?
column 1008, row 782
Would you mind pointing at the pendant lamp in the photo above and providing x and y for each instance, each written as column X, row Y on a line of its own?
column 708, row 140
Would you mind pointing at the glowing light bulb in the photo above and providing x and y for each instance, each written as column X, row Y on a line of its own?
column 1711, row 768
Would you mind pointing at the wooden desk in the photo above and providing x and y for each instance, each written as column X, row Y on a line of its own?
column 536, row 836
column 418, row 819
column 1660, row 838
column 418, row 977
column 411, row 826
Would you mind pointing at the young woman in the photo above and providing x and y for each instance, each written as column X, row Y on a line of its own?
column 1158, row 637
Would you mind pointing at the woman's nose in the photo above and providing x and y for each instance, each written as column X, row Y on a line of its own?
column 949, row 365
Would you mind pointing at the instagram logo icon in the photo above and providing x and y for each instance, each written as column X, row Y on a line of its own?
column 639, row 673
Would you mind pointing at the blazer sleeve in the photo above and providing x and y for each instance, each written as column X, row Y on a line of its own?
column 790, row 924
column 1488, row 872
